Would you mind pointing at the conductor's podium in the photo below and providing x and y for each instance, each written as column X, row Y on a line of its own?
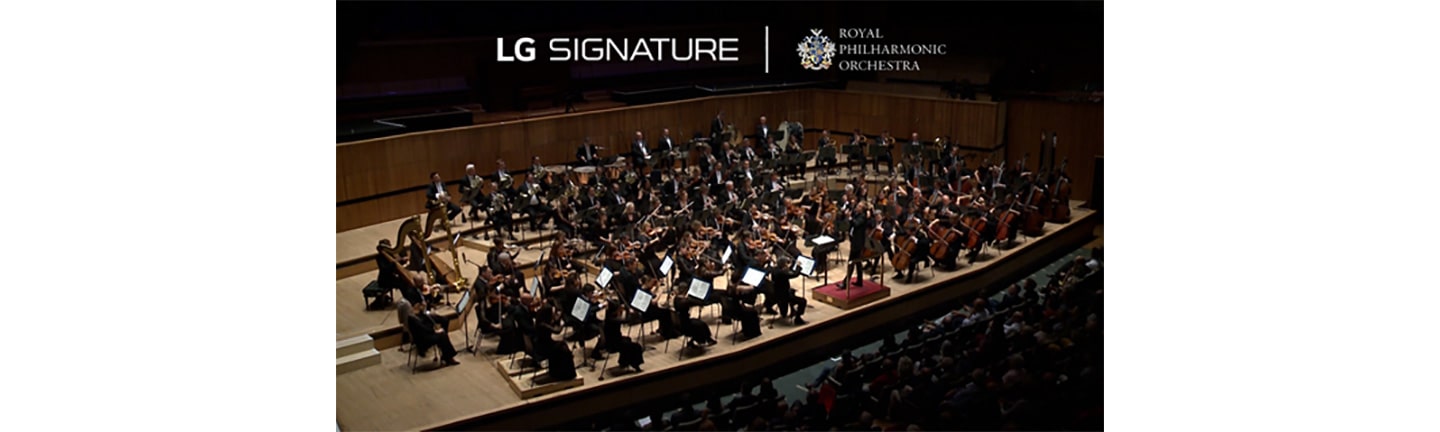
column 522, row 379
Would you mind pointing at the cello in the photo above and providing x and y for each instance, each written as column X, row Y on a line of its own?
column 1005, row 222
column 1034, row 224
column 905, row 247
column 941, row 244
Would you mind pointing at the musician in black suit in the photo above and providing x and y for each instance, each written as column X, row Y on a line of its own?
column 859, row 234
column 588, row 153
column 470, row 188
column 428, row 329
column 717, row 127
column 858, row 140
column 790, row 304
column 666, row 148
column 762, row 132
column 884, row 155
column 638, row 149
column 436, row 197
column 825, row 142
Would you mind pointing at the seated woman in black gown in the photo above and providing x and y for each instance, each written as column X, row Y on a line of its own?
column 614, row 341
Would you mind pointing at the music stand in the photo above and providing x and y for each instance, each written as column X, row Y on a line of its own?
column 753, row 277
column 807, row 268
column 665, row 266
column 640, row 303
column 604, row 278
column 699, row 289
column 580, row 311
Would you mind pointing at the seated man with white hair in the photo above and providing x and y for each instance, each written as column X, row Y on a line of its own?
column 470, row 190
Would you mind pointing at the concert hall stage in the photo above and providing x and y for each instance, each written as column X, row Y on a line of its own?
column 474, row 395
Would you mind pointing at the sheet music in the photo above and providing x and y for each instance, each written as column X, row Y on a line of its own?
column 699, row 289
column 641, row 302
column 604, row 279
column 724, row 258
column 581, row 309
column 753, row 277
column 823, row 240
column 665, row 266
column 464, row 302
column 806, row 265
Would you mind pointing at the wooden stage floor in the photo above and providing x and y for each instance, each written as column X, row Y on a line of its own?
column 389, row 397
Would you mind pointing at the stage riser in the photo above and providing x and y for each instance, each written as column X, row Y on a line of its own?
column 353, row 345
column 357, row 361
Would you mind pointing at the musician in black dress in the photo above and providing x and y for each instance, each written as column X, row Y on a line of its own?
column 614, row 341
column 560, row 361
column 428, row 329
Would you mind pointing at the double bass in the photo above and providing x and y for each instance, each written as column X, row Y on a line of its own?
column 1060, row 203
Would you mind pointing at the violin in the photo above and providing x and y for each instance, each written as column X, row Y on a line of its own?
column 771, row 237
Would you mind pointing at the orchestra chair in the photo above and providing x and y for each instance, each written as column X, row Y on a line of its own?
column 675, row 319
column 728, row 307
column 376, row 296
column 826, row 152
column 852, row 152
column 412, row 357
column 528, row 349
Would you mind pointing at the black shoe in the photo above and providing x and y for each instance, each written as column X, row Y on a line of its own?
column 799, row 321
column 451, row 362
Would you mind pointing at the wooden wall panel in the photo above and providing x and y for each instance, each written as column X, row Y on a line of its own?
column 1081, row 129
column 368, row 168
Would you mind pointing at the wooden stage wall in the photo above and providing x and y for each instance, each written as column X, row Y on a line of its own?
column 1082, row 136
column 374, row 167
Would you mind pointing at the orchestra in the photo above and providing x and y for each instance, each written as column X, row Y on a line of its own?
column 659, row 224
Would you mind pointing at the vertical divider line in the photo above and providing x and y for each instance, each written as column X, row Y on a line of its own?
column 767, row 49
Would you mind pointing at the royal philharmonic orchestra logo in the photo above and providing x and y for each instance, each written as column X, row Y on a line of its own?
column 816, row 51
column 864, row 49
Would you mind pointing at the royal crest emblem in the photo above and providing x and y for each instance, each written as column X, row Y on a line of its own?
column 816, row 51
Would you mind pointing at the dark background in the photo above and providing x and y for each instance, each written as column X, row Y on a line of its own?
column 397, row 58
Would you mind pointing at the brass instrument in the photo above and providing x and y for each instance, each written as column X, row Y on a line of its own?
column 476, row 183
column 505, row 180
